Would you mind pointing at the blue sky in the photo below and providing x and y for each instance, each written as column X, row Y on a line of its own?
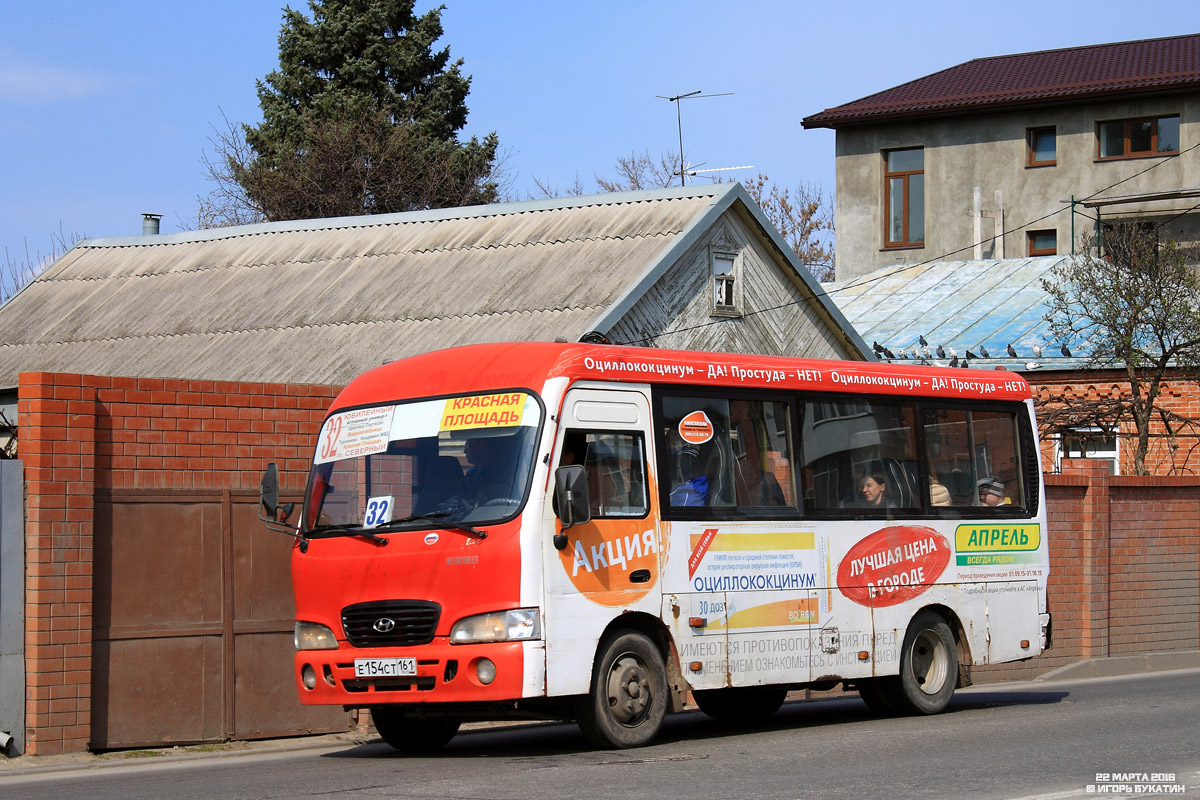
column 106, row 109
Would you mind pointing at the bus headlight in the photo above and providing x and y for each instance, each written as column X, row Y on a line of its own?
column 501, row 626
column 311, row 636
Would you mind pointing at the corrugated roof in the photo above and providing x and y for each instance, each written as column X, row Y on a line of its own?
column 959, row 305
column 318, row 301
column 1044, row 76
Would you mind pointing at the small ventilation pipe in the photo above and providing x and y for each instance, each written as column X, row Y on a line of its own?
column 150, row 224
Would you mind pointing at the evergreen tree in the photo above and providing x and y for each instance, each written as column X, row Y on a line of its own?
column 361, row 117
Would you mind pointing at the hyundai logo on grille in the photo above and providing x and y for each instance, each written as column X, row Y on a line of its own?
column 384, row 624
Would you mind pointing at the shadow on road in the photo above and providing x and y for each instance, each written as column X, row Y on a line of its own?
column 542, row 740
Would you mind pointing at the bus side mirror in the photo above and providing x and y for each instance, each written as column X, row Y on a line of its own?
column 571, row 499
column 268, row 494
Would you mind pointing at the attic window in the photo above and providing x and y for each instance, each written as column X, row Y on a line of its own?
column 725, row 287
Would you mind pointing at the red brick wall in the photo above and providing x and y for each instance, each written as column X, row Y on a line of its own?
column 1124, row 551
column 1124, row 567
column 1177, row 454
column 80, row 433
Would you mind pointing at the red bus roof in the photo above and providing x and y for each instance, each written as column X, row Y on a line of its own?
column 485, row 367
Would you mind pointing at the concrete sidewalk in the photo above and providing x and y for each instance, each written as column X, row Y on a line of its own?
column 1124, row 665
column 1088, row 668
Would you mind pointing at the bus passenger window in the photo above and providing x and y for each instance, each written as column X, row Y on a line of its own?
column 997, row 462
column 860, row 454
column 761, row 441
column 973, row 457
column 699, row 454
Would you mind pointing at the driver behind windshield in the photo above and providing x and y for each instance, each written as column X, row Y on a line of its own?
column 493, row 469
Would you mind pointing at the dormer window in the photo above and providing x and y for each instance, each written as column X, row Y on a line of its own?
column 723, row 280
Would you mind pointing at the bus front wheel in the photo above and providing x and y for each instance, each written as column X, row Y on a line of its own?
column 628, row 700
column 928, row 666
column 412, row 734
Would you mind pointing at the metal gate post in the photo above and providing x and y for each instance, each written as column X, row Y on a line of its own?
column 12, row 608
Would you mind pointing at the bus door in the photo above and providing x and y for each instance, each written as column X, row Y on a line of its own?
column 610, row 564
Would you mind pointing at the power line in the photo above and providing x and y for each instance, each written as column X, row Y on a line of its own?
column 869, row 280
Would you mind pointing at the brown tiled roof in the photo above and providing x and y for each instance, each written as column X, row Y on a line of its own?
column 1027, row 78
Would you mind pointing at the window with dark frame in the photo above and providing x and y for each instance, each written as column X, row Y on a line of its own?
column 1137, row 138
column 904, row 197
column 1042, row 243
column 737, row 454
column 1042, row 147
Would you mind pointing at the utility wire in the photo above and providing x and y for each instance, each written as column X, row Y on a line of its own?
column 869, row 280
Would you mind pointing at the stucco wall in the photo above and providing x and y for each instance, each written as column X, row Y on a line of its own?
column 988, row 151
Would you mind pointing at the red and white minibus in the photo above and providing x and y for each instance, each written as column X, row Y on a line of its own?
column 601, row 533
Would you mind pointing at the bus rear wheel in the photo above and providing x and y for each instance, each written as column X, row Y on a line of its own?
column 628, row 700
column 412, row 734
column 928, row 666
column 740, row 704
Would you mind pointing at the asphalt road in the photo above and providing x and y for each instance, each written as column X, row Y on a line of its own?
column 1044, row 740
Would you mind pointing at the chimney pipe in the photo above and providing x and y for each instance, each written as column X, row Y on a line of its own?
column 150, row 224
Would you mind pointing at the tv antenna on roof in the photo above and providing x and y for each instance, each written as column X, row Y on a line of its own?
column 696, row 95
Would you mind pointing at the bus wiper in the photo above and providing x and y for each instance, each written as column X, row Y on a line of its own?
column 328, row 531
column 438, row 518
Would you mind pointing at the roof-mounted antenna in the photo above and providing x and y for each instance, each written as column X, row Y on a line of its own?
column 679, row 122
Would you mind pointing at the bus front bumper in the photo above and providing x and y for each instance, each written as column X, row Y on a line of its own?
column 443, row 674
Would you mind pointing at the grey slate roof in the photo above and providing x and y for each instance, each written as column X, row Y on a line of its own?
column 318, row 301
column 960, row 305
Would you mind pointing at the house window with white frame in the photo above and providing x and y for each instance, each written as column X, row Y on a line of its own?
column 724, row 282
column 1090, row 443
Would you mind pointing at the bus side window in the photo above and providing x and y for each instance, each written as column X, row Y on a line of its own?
column 860, row 454
column 996, row 458
column 973, row 457
column 615, row 465
column 761, row 443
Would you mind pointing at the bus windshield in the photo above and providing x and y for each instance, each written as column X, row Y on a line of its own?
column 454, row 460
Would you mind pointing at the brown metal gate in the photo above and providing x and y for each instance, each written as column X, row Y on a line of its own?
column 192, row 623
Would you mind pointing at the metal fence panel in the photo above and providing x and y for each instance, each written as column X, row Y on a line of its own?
column 12, row 607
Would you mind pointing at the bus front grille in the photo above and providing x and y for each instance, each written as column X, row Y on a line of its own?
column 390, row 623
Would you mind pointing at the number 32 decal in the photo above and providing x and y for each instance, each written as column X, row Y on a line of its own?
column 379, row 511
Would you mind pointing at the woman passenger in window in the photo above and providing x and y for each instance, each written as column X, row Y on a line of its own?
column 874, row 491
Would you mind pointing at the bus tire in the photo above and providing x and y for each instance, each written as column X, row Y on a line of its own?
column 412, row 734
column 928, row 666
column 877, row 694
column 629, row 696
column 740, row 704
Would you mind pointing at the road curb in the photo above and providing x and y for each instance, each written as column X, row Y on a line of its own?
column 1124, row 665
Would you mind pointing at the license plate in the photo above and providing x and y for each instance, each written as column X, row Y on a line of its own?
column 384, row 667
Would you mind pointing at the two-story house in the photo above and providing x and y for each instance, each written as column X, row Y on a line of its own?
column 1019, row 155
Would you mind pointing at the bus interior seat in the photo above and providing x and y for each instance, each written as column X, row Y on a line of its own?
column 900, row 488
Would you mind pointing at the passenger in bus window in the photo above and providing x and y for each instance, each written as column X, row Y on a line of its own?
column 757, row 487
column 939, row 495
column 991, row 492
column 689, row 485
column 874, row 491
